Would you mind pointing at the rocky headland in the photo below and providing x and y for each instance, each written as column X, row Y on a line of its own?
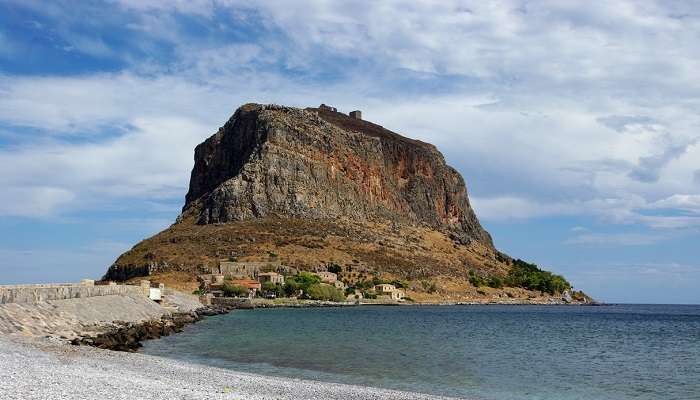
column 312, row 188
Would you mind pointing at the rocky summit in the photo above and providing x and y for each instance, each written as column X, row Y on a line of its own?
column 322, row 164
column 314, row 187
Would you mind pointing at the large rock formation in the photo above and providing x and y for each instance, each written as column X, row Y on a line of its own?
column 318, row 163
column 315, row 187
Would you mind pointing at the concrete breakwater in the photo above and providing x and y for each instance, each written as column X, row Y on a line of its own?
column 85, row 310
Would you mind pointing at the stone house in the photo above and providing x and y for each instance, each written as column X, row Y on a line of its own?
column 273, row 277
column 389, row 291
column 246, row 269
column 251, row 269
column 327, row 277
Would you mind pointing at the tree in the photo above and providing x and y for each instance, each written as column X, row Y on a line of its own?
column 272, row 288
column 291, row 288
column 304, row 280
column 476, row 280
column 324, row 292
column 529, row 276
column 495, row 282
column 334, row 268
column 400, row 284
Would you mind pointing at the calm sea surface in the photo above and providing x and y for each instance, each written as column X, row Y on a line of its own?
column 482, row 352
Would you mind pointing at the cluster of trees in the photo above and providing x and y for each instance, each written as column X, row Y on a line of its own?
column 524, row 275
column 479, row 281
column 305, row 284
column 234, row 290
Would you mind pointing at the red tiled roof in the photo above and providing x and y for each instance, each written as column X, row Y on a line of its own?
column 247, row 283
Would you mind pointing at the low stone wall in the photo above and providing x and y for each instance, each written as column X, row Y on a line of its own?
column 232, row 302
column 40, row 293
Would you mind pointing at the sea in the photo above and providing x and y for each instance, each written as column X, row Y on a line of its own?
column 499, row 352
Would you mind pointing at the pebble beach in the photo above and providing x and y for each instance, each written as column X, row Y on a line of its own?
column 39, row 368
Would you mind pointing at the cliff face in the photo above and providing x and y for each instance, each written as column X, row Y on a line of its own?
column 271, row 161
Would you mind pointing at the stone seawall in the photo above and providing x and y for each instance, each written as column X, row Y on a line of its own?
column 74, row 310
column 40, row 293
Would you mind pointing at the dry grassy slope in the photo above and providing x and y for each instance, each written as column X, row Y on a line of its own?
column 407, row 252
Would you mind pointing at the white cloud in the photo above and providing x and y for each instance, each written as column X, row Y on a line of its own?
column 616, row 239
column 151, row 161
column 686, row 202
column 547, row 109
column 508, row 208
column 33, row 201
column 641, row 282
column 197, row 7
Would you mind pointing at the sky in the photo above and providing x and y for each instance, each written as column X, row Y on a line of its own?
column 576, row 127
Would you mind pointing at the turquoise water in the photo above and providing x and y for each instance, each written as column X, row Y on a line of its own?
column 484, row 352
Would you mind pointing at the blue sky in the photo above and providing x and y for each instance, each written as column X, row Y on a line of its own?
column 576, row 128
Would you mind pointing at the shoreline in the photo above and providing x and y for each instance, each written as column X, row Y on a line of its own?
column 128, row 337
column 318, row 303
column 34, row 368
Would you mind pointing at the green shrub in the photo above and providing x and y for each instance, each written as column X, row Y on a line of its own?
column 300, row 281
column 578, row 295
column 495, row 282
column 476, row 280
column 272, row 288
column 429, row 286
column 291, row 288
column 324, row 292
column 304, row 279
column 234, row 290
column 399, row 283
column 364, row 285
column 199, row 292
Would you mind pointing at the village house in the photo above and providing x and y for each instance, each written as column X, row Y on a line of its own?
column 339, row 285
column 389, row 291
column 273, row 277
column 327, row 277
column 252, row 286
